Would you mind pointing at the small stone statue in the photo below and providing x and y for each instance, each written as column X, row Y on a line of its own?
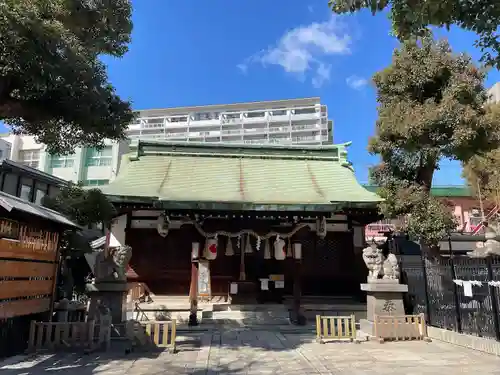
column 380, row 267
column 373, row 258
column 489, row 247
column 391, row 267
column 112, row 267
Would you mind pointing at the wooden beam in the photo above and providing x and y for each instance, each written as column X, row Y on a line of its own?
column 23, row 307
column 16, row 249
column 13, row 269
column 24, row 288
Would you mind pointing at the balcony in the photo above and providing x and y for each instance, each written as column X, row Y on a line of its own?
column 176, row 135
column 205, row 123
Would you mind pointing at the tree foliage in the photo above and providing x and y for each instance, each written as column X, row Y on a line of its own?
column 52, row 83
column 431, row 106
column 86, row 207
column 415, row 17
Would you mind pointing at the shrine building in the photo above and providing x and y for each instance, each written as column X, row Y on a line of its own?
column 242, row 223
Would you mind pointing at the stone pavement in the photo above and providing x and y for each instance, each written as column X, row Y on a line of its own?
column 266, row 352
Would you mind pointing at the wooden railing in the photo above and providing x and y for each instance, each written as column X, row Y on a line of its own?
column 68, row 335
column 400, row 328
column 152, row 334
column 335, row 328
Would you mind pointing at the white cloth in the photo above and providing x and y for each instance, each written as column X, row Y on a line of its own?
column 467, row 285
column 264, row 284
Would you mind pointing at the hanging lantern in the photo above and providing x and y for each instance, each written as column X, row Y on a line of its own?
column 297, row 250
column 248, row 247
column 321, row 227
column 162, row 224
column 289, row 249
column 195, row 250
column 267, row 250
column 211, row 248
column 279, row 249
column 229, row 247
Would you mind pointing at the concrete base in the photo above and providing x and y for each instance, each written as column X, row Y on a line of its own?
column 110, row 295
column 366, row 326
column 384, row 298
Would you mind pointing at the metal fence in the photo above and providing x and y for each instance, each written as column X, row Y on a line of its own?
column 436, row 287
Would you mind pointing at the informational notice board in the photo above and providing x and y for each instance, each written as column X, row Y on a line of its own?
column 204, row 287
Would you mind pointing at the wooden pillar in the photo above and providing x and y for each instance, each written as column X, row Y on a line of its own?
column 297, row 317
column 193, row 287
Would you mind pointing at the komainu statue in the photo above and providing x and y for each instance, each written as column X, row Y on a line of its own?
column 379, row 266
column 112, row 267
column 489, row 247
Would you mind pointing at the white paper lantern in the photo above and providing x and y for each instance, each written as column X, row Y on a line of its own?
column 162, row 225
column 297, row 250
column 321, row 227
column 279, row 249
column 211, row 249
column 195, row 250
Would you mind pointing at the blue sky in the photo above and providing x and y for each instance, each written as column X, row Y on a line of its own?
column 187, row 52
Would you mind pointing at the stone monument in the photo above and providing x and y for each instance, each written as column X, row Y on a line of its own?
column 489, row 247
column 384, row 292
column 108, row 290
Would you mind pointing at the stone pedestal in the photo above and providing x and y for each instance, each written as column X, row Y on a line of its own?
column 384, row 297
column 108, row 294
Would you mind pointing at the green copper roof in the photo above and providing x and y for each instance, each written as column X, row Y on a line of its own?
column 240, row 176
column 439, row 191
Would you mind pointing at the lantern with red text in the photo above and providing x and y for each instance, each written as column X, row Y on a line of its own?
column 279, row 249
column 211, row 249
column 195, row 250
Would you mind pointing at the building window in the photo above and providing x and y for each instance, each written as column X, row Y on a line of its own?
column 40, row 191
column 26, row 188
column 99, row 158
column 31, row 158
column 62, row 161
column 96, row 182
column 39, row 194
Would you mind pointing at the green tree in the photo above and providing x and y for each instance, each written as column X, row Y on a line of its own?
column 88, row 208
column 431, row 105
column 415, row 17
column 52, row 83
column 483, row 174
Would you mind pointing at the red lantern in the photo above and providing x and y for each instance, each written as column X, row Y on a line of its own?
column 211, row 249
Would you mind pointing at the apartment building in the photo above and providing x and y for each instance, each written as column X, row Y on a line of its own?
column 494, row 93
column 92, row 167
column 295, row 121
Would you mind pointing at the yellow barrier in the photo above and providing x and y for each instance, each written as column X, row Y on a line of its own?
column 335, row 328
column 152, row 333
column 400, row 328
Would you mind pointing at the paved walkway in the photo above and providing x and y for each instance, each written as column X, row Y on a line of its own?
column 261, row 352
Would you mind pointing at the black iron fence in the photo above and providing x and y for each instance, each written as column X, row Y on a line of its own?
column 455, row 293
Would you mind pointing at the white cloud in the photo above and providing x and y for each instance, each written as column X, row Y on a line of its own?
column 302, row 50
column 355, row 82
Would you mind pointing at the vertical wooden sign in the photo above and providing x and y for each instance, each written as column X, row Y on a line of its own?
column 204, row 285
